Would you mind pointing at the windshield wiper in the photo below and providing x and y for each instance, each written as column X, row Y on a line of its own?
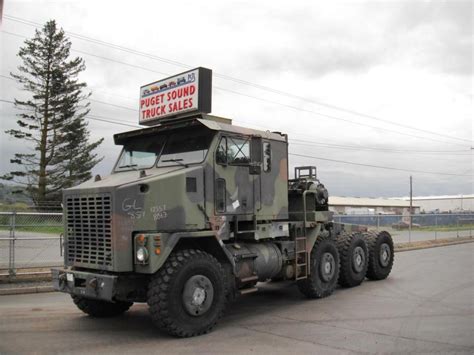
column 128, row 166
column 179, row 161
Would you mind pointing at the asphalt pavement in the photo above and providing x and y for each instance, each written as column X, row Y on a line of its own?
column 425, row 306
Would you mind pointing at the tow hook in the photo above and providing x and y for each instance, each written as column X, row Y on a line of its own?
column 62, row 280
column 93, row 283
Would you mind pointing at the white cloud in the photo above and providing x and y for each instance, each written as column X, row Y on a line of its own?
column 406, row 62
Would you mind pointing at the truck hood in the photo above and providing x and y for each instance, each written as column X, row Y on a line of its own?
column 127, row 177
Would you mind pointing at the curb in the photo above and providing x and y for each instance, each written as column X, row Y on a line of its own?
column 429, row 246
column 25, row 290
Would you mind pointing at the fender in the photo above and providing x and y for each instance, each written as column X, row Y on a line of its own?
column 161, row 245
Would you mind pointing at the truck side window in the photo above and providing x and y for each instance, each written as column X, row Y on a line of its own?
column 233, row 150
column 221, row 154
column 238, row 151
column 267, row 157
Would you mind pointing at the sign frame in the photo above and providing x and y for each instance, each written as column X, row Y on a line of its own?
column 204, row 96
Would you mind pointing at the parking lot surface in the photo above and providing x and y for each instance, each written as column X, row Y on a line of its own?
column 425, row 306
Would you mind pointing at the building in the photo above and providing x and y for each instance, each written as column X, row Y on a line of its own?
column 364, row 205
column 453, row 203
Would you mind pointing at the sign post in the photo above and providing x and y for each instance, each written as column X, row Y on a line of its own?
column 185, row 93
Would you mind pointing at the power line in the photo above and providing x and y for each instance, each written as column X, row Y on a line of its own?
column 283, row 105
column 341, row 119
column 114, row 105
column 287, row 106
column 240, row 81
column 92, row 117
column 109, row 120
column 379, row 150
column 377, row 166
column 296, row 141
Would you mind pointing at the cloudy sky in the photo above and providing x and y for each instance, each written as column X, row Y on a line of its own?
column 377, row 83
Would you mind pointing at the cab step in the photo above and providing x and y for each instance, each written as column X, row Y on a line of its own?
column 248, row 290
column 249, row 279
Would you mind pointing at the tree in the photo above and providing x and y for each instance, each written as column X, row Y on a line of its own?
column 52, row 120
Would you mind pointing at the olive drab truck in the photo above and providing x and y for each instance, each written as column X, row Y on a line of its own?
column 198, row 211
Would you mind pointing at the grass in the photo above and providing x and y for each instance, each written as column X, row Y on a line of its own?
column 450, row 228
column 37, row 229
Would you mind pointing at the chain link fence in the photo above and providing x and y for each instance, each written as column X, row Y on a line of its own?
column 30, row 241
column 419, row 227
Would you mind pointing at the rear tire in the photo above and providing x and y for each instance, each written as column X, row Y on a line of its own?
column 381, row 254
column 187, row 295
column 354, row 256
column 324, row 270
column 99, row 308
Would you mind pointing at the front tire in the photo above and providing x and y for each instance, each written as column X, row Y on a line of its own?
column 187, row 295
column 381, row 254
column 99, row 308
column 354, row 254
column 324, row 270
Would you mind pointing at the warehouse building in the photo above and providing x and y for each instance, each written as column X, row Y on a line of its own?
column 453, row 203
column 364, row 206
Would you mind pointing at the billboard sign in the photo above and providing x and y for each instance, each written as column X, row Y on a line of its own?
column 184, row 93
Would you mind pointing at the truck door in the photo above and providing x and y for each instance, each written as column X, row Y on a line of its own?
column 233, row 185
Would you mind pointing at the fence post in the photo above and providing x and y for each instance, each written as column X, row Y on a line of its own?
column 11, row 255
column 61, row 244
column 470, row 227
column 409, row 229
column 436, row 227
column 457, row 224
column 378, row 222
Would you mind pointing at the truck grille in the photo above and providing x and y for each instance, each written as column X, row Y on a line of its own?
column 89, row 230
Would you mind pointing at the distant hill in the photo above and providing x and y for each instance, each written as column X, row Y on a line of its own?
column 11, row 194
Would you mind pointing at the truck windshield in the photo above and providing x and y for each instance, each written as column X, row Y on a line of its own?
column 186, row 147
column 140, row 154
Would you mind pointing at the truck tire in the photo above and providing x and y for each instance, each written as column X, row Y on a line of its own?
column 324, row 270
column 381, row 254
column 354, row 257
column 99, row 308
column 187, row 295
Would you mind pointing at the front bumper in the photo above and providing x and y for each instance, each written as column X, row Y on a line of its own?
column 86, row 284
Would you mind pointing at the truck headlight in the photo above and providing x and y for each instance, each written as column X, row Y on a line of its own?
column 142, row 254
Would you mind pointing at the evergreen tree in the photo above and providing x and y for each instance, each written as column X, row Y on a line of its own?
column 52, row 120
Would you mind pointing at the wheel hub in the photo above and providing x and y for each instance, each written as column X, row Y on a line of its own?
column 385, row 254
column 198, row 294
column 328, row 267
column 358, row 259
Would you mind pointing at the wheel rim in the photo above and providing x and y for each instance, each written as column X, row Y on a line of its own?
column 384, row 254
column 358, row 259
column 328, row 267
column 198, row 294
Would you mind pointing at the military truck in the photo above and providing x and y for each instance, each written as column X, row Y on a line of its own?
column 198, row 211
